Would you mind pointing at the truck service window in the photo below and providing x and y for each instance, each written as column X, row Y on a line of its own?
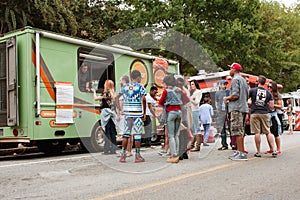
column 94, row 67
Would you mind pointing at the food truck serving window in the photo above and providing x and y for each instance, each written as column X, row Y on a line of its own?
column 94, row 67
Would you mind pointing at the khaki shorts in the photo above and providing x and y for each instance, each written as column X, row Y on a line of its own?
column 237, row 120
column 260, row 123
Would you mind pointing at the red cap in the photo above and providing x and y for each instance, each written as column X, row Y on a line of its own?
column 236, row 66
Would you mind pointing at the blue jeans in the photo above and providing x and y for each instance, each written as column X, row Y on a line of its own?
column 274, row 114
column 206, row 132
column 173, row 123
column 196, row 123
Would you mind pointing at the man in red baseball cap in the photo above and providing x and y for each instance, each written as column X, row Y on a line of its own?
column 238, row 108
column 235, row 66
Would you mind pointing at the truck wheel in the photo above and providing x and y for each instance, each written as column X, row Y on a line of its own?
column 52, row 147
column 155, row 138
column 95, row 143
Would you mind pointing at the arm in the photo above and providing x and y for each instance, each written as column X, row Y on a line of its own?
column 97, row 97
column 235, row 91
column 144, row 107
column 185, row 98
column 87, row 86
column 118, row 107
column 151, row 109
column 278, row 104
column 231, row 98
column 162, row 98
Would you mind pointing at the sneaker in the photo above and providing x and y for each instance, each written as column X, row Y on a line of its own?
column 138, row 158
column 122, row 159
column 205, row 144
column 128, row 154
column 278, row 152
column 257, row 155
column 269, row 151
column 166, row 155
column 234, row 154
column 162, row 151
column 240, row 156
column 195, row 149
column 274, row 154
column 222, row 148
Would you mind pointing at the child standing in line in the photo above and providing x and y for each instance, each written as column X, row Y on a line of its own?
column 206, row 112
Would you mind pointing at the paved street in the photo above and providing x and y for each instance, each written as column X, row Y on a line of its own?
column 206, row 175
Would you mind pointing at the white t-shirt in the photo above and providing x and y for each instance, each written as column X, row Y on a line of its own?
column 149, row 99
column 195, row 100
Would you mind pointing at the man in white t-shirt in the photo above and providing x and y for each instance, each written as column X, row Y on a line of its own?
column 150, row 112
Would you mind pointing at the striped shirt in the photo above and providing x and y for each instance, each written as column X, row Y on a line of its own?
column 132, row 99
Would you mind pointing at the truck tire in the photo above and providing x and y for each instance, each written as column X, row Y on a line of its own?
column 95, row 143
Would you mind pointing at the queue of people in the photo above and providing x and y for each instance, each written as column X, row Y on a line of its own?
column 186, row 110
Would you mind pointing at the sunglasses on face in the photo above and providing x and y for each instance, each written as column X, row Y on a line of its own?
column 270, row 86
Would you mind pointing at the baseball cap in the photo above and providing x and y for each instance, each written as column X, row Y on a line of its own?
column 236, row 66
column 223, row 82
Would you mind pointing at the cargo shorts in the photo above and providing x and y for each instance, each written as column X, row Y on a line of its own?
column 237, row 120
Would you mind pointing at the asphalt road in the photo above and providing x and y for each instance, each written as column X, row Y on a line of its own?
column 205, row 175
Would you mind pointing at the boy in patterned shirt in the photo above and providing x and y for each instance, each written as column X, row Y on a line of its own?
column 134, row 109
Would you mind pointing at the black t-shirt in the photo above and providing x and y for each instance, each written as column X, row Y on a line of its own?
column 107, row 101
column 260, row 98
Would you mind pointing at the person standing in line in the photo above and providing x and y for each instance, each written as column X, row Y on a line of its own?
column 195, row 97
column 261, row 102
column 238, row 108
column 185, row 134
column 108, row 116
column 273, row 115
column 171, row 98
column 150, row 112
column 134, row 109
column 289, row 113
column 222, row 113
column 124, row 80
column 206, row 112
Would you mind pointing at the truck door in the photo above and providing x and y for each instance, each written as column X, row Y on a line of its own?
column 11, row 73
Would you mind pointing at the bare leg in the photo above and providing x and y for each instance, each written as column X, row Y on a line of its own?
column 277, row 141
column 270, row 139
column 257, row 142
column 240, row 143
column 129, row 145
column 124, row 145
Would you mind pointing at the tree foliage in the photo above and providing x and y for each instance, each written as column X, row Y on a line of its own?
column 263, row 36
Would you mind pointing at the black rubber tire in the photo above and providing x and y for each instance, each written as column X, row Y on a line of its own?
column 95, row 143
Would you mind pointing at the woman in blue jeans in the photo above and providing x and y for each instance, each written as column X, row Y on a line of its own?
column 171, row 98
column 276, row 131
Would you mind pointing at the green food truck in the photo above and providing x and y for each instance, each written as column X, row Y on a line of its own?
column 43, row 101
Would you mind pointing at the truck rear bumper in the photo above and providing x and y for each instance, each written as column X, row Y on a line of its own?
column 14, row 140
